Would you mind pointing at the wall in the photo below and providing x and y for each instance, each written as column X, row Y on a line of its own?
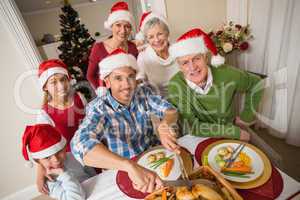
column 92, row 15
column 183, row 15
column 14, row 175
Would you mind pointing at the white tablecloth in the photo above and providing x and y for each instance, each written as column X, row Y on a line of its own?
column 103, row 186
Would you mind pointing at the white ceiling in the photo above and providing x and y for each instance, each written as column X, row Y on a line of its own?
column 28, row 6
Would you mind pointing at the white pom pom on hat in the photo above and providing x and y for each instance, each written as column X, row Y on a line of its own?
column 196, row 41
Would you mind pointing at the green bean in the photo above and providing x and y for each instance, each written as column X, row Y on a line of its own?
column 159, row 162
column 236, row 174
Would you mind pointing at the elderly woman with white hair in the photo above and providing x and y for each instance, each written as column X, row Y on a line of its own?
column 155, row 64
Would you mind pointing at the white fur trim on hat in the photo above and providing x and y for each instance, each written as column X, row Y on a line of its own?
column 141, row 34
column 217, row 60
column 49, row 72
column 116, row 16
column 50, row 150
column 188, row 46
column 151, row 16
column 110, row 63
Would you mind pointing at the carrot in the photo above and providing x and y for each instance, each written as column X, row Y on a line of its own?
column 164, row 195
column 241, row 169
column 166, row 169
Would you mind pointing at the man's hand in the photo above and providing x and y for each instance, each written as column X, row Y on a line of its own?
column 143, row 179
column 244, row 135
column 168, row 137
column 240, row 123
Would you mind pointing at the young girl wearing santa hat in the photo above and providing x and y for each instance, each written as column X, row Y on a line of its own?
column 120, row 22
column 47, row 147
column 62, row 108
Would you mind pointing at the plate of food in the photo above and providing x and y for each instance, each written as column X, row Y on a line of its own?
column 248, row 165
column 162, row 161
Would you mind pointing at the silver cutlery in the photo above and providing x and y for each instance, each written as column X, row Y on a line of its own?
column 236, row 152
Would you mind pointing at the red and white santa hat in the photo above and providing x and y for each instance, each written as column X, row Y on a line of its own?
column 49, row 68
column 119, row 11
column 116, row 59
column 146, row 17
column 41, row 141
column 196, row 41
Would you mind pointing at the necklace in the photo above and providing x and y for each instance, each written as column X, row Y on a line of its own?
column 111, row 48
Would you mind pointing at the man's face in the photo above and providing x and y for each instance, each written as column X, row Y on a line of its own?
column 194, row 67
column 122, row 84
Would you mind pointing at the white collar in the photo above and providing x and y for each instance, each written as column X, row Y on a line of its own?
column 207, row 86
column 154, row 57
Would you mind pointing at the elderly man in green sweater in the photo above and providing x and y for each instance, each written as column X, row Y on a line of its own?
column 204, row 94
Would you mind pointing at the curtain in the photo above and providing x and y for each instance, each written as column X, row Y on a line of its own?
column 275, row 51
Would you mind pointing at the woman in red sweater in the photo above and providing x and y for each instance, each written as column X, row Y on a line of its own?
column 120, row 23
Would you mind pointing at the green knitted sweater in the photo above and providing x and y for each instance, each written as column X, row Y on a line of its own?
column 212, row 115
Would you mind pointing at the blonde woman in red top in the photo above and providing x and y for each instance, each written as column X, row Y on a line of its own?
column 120, row 22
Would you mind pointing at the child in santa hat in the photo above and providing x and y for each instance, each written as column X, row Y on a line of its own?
column 62, row 108
column 45, row 145
column 120, row 22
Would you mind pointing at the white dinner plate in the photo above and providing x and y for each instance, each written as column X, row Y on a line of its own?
column 256, row 162
column 175, row 172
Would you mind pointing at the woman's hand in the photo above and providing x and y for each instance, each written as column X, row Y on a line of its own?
column 143, row 179
column 168, row 137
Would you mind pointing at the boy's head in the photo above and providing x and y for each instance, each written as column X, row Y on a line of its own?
column 45, row 145
column 196, row 41
column 118, row 70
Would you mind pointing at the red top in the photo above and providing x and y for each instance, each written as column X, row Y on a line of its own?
column 67, row 120
column 99, row 52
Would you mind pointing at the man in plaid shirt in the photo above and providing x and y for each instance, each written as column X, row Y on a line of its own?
column 118, row 126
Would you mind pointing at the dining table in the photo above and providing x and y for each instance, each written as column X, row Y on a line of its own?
column 104, row 187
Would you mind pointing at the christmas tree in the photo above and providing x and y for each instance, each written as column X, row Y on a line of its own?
column 76, row 44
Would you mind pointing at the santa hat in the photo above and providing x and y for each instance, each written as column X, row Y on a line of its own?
column 116, row 59
column 146, row 17
column 41, row 141
column 119, row 11
column 196, row 41
column 49, row 68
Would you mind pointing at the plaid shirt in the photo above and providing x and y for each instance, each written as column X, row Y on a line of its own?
column 126, row 131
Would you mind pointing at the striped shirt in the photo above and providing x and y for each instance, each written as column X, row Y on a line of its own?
column 125, row 130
